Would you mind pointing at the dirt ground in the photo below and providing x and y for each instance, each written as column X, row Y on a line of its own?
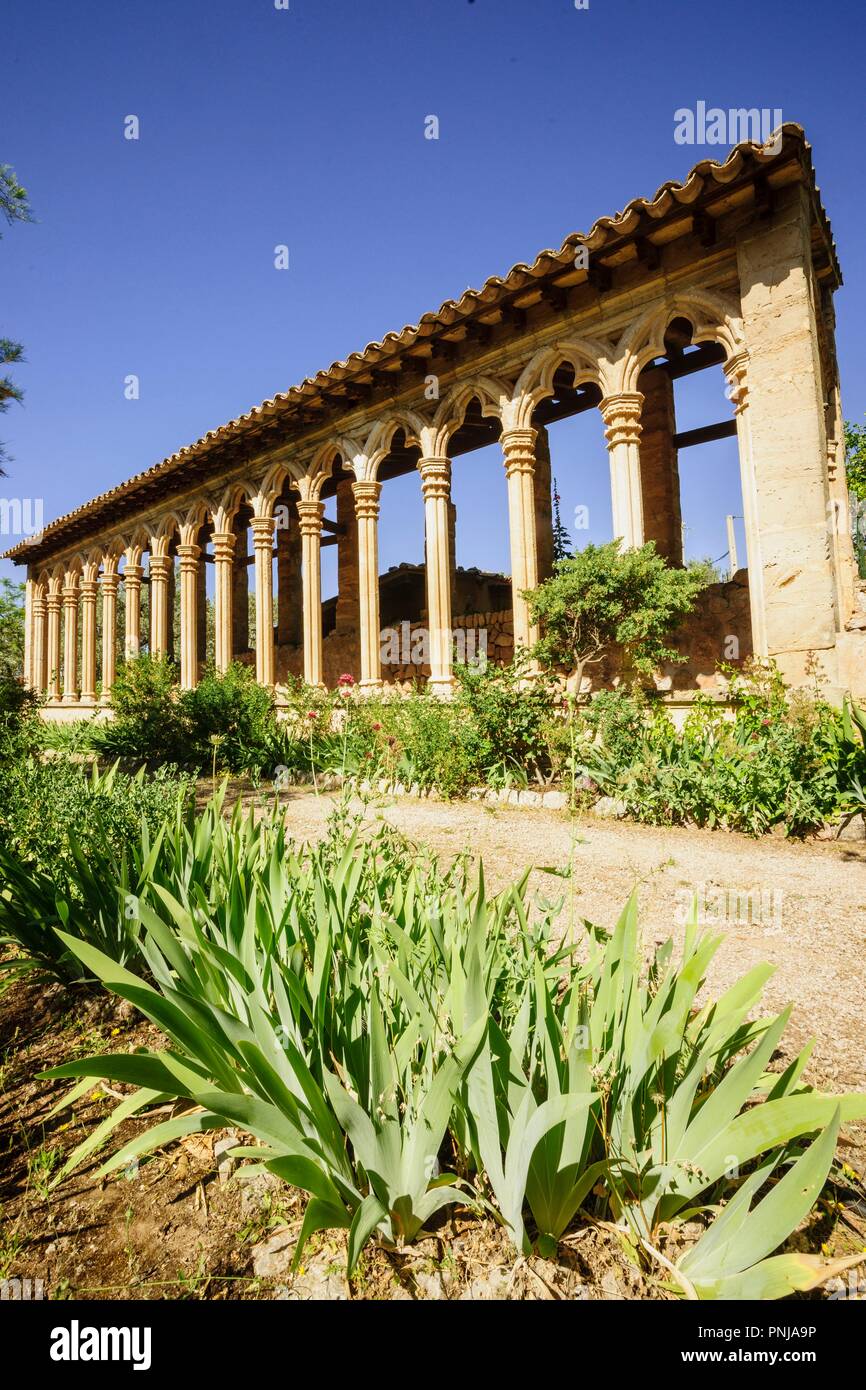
column 179, row 1227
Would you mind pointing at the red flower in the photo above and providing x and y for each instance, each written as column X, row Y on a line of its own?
column 376, row 727
column 346, row 679
column 312, row 714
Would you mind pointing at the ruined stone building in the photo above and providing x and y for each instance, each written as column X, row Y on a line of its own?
column 734, row 267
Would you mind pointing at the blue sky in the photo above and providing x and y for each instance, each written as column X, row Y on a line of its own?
column 305, row 127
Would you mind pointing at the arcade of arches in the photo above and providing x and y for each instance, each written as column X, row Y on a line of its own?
column 735, row 267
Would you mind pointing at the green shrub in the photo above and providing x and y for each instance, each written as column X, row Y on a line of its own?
column 227, row 718
column 19, row 719
column 147, row 724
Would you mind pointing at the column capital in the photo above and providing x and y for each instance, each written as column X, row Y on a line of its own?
column 622, row 417
column 262, row 528
column 189, row 556
column 110, row 582
column 435, row 477
column 367, row 492
column 310, row 515
column 69, row 594
column 223, row 545
column 160, row 566
column 89, row 590
column 518, row 446
column 735, row 370
column 132, row 575
column 54, row 600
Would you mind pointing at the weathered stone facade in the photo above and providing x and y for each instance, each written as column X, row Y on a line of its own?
column 735, row 267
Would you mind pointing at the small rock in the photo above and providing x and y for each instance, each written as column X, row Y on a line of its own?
column 554, row 801
column 225, row 1164
column 853, row 829
column 529, row 798
column 610, row 807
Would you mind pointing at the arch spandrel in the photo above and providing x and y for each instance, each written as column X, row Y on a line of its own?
column 714, row 319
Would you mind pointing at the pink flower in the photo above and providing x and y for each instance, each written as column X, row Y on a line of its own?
column 376, row 727
column 346, row 679
column 312, row 714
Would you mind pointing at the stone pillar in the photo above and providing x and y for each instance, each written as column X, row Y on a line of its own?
column 367, row 493
column 310, row 515
column 189, row 567
column 37, row 664
column 160, row 565
column 110, row 584
column 543, row 504
column 787, row 456
column 70, row 639
column 622, row 419
column 263, row 542
column 132, row 577
column 436, row 490
column 659, row 471
column 171, row 586
column 223, row 564
column 348, row 600
column 289, row 603
column 452, row 553
column 519, row 449
column 54, row 603
column 89, row 591
column 241, row 591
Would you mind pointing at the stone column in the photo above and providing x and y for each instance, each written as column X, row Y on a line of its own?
column 37, row 665
column 436, row 490
column 201, row 615
column 263, row 542
column 223, row 559
column 367, row 493
column 784, row 419
column 89, row 591
column 622, row 419
column 54, row 602
column 659, row 471
column 519, row 449
column 70, row 639
column 132, row 576
column 542, row 497
column 110, row 584
column 160, row 565
column 310, row 515
column 189, row 565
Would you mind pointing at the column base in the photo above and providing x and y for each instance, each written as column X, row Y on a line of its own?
column 105, row 698
column 70, row 700
column 443, row 688
column 371, row 687
column 88, row 699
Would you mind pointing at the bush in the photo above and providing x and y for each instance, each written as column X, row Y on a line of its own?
column 147, row 725
column 19, row 719
column 228, row 719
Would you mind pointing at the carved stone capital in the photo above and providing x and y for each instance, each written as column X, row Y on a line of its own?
column 188, row 556
column 738, row 387
column 622, row 417
column 89, row 590
column 367, row 492
column 435, row 478
column 262, row 528
column 518, row 446
column 223, row 546
column 110, row 583
column 310, row 514
column 160, row 567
